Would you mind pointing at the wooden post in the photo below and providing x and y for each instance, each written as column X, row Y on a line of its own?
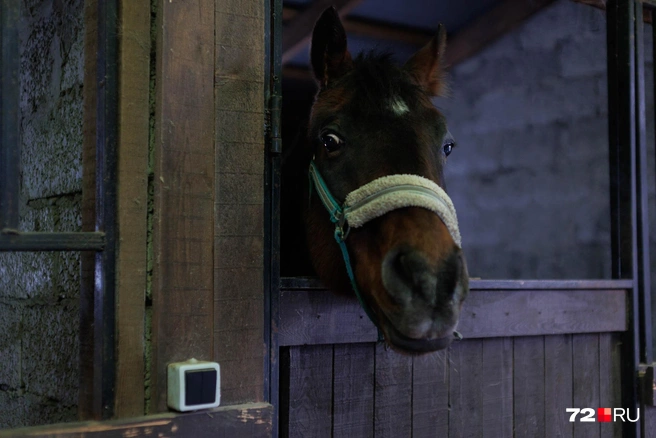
column 133, row 137
column 239, row 234
column 183, row 224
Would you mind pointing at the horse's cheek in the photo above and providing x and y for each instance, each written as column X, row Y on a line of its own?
column 324, row 251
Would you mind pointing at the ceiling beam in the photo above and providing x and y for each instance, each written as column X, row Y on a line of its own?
column 373, row 29
column 601, row 4
column 297, row 33
column 500, row 20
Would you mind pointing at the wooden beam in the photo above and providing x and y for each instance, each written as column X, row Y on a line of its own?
column 238, row 199
column 88, row 395
column 251, row 420
column 601, row 4
column 373, row 29
column 132, row 194
column 311, row 316
column 503, row 18
column 296, row 35
column 183, row 222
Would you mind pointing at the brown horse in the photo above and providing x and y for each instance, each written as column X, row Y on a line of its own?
column 371, row 119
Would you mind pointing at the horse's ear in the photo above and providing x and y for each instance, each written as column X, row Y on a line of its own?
column 427, row 65
column 329, row 56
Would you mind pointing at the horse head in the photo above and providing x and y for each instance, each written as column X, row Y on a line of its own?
column 372, row 119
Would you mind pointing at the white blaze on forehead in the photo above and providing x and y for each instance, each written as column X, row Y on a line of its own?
column 398, row 106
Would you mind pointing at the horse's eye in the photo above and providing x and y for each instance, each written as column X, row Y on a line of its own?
column 331, row 141
column 448, row 147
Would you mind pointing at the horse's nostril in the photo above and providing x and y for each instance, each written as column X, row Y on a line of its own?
column 407, row 273
column 412, row 266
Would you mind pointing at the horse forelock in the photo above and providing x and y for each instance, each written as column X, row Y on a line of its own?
column 375, row 83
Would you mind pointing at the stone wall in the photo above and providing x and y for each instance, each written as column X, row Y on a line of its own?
column 39, row 292
column 530, row 176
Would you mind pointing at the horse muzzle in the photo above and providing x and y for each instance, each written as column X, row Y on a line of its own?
column 426, row 299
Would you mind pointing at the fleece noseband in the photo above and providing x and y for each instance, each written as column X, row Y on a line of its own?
column 373, row 200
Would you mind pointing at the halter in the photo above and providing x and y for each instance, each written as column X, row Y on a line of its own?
column 373, row 200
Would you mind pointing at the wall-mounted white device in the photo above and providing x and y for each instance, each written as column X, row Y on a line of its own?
column 193, row 385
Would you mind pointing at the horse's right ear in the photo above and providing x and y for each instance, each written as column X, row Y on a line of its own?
column 329, row 55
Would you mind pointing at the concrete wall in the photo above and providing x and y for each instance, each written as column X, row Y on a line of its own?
column 530, row 175
column 39, row 292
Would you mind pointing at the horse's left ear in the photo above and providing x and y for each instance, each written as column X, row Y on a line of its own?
column 329, row 55
column 427, row 65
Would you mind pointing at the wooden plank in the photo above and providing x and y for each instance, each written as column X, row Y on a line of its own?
column 393, row 393
column 238, row 198
column 310, row 396
column 132, row 203
column 298, row 31
column 601, row 4
column 372, row 29
column 528, row 387
column 558, row 385
column 322, row 318
column 503, row 18
column 313, row 283
column 466, row 388
column 610, row 381
column 309, row 317
column 89, row 392
column 497, row 382
column 585, row 366
column 184, row 129
column 353, row 390
column 484, row 30
column 249, row 420
column 430, row 394
column 649, row 419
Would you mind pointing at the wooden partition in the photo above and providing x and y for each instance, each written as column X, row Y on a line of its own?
column 530, row 349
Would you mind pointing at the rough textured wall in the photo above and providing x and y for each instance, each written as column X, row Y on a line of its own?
column 39, row 292
column 530, row 180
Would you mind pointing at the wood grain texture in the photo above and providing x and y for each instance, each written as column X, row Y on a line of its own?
column 501, row 19
column 250, row 420
column 528, row 387
column 430, row 394
column 558, row 386
column 585, row 375
column 497, row 387
column 322, row 318
column 610, row 381
column 310, row 392
column 311, row 317
column 649, row 419
column 239, row 198
column 132, row 202
column 353, row 390
column 393, row 393
column 89, row 391
column 466, row 388
column 183, row 237
column 313, row 283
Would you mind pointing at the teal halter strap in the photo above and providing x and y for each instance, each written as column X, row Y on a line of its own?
column 342, row 229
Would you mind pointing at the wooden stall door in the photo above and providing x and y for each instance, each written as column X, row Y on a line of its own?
column 531, row 350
